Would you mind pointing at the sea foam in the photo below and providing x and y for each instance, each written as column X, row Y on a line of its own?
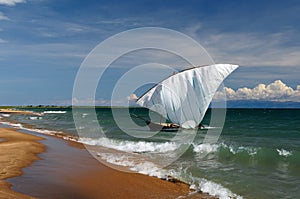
column 212, row 188
column 134, row 164
column 212, row 148
column 54, row 112
column 151, row 169
column 205, row 148
column 42, row 131
column 120, row 160
column 131, row 146
column 283, row 152
column 35, row 118
column 14, row 125
column 146, row 167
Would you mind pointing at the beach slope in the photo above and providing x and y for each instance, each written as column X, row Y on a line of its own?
column 67, row 170
column 17, row 150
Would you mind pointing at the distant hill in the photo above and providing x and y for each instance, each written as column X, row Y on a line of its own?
column 261, row 104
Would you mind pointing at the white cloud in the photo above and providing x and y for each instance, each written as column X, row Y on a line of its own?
column 3, row 17
column 11, row 2
column 132, row 97
column 276, row 91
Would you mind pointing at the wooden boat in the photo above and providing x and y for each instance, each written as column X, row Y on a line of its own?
column 155, row 126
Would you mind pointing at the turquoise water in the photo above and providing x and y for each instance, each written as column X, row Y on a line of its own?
column 256, row 156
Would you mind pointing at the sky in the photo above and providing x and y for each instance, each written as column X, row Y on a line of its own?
column 44, row 42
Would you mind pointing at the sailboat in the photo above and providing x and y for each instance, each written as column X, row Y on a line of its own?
column 184, row 97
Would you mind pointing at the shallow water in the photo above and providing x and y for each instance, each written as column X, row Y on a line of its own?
column 50, row 177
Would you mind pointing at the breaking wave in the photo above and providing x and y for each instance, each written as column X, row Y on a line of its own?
column 283, row 152
column 35, row 118
column 214, row 189
column 42, row 131
column 151, row 169
column 131, row 146
column 245, row 153
column 54, row 112
column 147, row 167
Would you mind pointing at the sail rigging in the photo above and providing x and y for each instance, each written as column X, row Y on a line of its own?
column 183, row 98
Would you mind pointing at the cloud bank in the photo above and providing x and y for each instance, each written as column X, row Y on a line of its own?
column 11, row 2
column 276, row 91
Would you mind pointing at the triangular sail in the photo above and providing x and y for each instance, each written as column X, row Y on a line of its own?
column 183, row 98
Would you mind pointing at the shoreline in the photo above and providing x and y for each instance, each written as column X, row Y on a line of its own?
column 12, row 111
column 87, row 178
column 17, row 150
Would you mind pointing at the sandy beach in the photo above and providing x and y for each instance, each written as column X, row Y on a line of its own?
column 12, row 111
column 62, row 169
column 17, row 150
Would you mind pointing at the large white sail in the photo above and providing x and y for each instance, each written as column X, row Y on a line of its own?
column 183, row 98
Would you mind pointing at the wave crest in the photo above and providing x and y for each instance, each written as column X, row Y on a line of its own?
column 131, row 146
column 283, row 152
column 54, row 112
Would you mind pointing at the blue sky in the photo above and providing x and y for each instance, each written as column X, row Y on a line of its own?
column 43, row 42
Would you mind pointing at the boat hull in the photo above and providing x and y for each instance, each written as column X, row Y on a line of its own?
column 162, row 127
column 159, row 126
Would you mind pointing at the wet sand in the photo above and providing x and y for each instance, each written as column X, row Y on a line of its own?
column 67, row 170
column 17, row 150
